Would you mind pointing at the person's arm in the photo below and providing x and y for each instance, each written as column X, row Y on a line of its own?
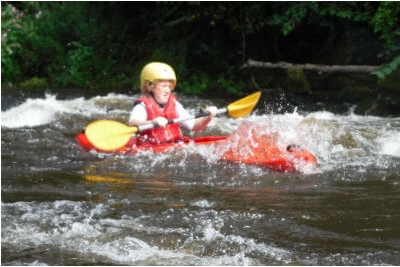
column 202, row 122
column 138, row 116
column 197, row 124
column 182, row 113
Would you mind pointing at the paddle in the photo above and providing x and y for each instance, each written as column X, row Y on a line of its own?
column 109, row 135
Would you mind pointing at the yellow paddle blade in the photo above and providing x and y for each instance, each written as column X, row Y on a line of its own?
column 109, row 135
column 244, row 106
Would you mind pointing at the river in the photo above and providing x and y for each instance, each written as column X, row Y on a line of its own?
column 61, row 205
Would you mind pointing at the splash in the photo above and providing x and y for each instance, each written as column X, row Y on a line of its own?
column 255, row 145
column 390, row 144
column 337, row 140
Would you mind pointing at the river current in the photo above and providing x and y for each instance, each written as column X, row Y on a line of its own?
column 61, row 205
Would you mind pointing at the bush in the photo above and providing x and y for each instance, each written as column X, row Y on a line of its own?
column 11, row 47
column 34, row 83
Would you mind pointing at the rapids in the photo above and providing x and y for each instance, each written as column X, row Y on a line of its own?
column 63, row 206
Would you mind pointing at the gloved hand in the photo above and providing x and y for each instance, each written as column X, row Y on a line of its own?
column 212, row 110
column 160, row 121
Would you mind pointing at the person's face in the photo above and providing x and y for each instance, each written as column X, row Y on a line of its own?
column 162, row 91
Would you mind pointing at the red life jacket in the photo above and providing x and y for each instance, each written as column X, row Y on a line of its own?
column 158, row 135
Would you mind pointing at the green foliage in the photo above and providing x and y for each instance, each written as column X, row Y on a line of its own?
column 196, row 84
column 79, row 64
column 228, row 85
column 11, row 34
column 297, row 81
column 383, row 17
column 105, row 44
column 322, row 13
column 291, row 17
column 386, row 22
column 34, row 82
column 387, row 69
column 58, row 41
column 202, row 84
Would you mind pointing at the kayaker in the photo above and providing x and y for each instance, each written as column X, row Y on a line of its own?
column 157, row 105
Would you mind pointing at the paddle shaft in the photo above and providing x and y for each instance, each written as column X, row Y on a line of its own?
column 148, row 126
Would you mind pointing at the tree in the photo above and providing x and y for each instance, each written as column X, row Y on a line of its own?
column 105, row 44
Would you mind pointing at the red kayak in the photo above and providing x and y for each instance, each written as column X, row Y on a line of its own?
column 252, row 148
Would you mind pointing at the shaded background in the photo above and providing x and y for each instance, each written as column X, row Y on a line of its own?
column 98, row 47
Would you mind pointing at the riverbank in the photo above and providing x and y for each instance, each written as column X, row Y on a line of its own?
column 335, row 92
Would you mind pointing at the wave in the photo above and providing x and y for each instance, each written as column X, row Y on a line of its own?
column 42, row 111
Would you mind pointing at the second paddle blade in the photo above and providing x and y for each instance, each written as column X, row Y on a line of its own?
column 244, row 106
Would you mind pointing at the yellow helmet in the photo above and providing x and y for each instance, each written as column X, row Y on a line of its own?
column 157, row 71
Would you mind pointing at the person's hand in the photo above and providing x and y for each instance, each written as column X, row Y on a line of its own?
column 212, row 110
column 160, row 121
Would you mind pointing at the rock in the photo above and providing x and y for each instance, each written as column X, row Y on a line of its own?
column 297, row 82
column 34, row 83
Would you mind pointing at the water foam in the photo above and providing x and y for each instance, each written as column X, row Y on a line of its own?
column 42, row 111
column 390, row 144
column 36, row 112
column 80, row 228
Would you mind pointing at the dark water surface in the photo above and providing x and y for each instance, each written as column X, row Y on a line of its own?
column 63, row 206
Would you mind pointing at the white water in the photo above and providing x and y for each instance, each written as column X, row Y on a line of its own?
column 191, row 229
column 321, row 126
column 336, row 140
column 79, row 227
column 330, row 136
column 42, row 111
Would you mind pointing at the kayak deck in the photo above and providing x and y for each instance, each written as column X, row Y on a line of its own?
column 257, row 148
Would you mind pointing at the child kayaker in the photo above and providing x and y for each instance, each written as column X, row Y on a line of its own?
column 157, row 105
